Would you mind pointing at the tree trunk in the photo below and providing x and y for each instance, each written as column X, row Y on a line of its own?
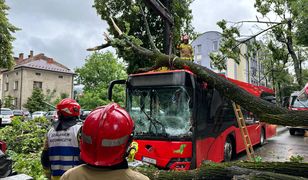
column 265, row 110
column 296, row 60
column 238, row 170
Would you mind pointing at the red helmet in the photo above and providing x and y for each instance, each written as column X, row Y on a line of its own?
column 68, row 107
column 106, row 135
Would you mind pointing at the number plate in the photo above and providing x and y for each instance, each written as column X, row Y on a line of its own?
column 149, row 160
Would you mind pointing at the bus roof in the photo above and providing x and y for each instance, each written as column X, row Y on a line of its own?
column 162, row 72
column 252, row 89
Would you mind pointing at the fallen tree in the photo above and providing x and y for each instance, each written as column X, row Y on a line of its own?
column 267, row 111
column 238, row 170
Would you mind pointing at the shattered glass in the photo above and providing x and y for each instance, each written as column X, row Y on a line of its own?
column 161, row 111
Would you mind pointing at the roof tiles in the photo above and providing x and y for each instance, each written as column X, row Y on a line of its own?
column 40, row 61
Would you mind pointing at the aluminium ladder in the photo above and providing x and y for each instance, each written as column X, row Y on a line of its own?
column 244, row 132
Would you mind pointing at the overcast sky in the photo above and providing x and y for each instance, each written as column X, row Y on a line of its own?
column 64, row 29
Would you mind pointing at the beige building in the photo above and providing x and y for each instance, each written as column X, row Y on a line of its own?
column 250, row 68
column 36, row 71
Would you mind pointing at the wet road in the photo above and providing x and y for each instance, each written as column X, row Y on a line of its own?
column 282, row 147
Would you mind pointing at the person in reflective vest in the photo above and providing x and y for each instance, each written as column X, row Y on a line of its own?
column 61, row 150
column 105, row 143
column 186, row 51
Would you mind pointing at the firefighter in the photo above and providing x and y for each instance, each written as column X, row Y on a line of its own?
column 105, row 140
column 61, row 149
column 186, row 51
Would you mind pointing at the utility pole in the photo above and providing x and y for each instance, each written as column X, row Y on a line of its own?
column 162, row 9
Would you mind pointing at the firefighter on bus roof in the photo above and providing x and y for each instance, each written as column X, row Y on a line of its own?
column 61, row 149
column 186, row 51
column 105, row 142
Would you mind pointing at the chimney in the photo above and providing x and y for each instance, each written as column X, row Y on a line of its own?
column 49, row 60
column 31, row 53
column 21, row 56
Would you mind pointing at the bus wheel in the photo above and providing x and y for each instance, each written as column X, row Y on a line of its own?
column 228, row 150
column 262, row 137
column 292, row 131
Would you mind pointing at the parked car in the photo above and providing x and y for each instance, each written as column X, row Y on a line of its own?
column 37, row 114
column 52, row 116
column 6, row 115
column 27, row 115
column 17, row 112
column 84, row 113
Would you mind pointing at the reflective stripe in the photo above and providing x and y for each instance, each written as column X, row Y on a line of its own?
column 63, row 158
column 86, row 139
column 61, row 167
column 114, row 142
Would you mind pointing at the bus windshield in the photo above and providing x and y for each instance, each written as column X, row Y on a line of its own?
column 299, row 103
column 161, row 111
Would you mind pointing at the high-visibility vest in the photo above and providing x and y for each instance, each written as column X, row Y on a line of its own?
column 63, row 149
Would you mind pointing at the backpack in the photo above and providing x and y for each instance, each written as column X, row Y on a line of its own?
column 5, row 165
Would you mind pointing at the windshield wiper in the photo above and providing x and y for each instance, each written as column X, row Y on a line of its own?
column 154, row 122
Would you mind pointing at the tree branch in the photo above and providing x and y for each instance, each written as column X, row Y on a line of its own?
column 99, row 47
column 251, row 37
column 148, row 30
column 261, row 22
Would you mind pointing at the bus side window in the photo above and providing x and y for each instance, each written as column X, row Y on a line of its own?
column 216, row 107
column 248, row 116
column 203, row 99
column 228, row 111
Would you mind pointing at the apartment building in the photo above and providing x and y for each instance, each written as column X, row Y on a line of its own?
column 35, row 71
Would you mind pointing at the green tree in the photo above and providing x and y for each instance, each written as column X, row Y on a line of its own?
column 36, row 101
column 25, row 142
column 129, row 13
column 99, row 70
column 62, row 96
column 49, row 95
column 283, row 42
column 8, row 102
column 6, row 38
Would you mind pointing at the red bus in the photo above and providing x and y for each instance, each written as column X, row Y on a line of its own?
column 180, row 121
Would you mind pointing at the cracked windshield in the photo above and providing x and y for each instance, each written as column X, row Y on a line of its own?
column 161, row 112
column 300, row 103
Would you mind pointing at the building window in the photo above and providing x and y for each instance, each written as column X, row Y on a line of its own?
column 215, row 45
column 61, row 77
column 6, row 88
column 38, row 74
column 198, row 58
column 37, row 84
column 199, row 49
column 16, row 85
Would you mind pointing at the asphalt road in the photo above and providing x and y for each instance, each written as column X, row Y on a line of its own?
column 282, row 147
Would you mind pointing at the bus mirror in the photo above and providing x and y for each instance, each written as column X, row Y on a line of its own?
column 111, row 85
